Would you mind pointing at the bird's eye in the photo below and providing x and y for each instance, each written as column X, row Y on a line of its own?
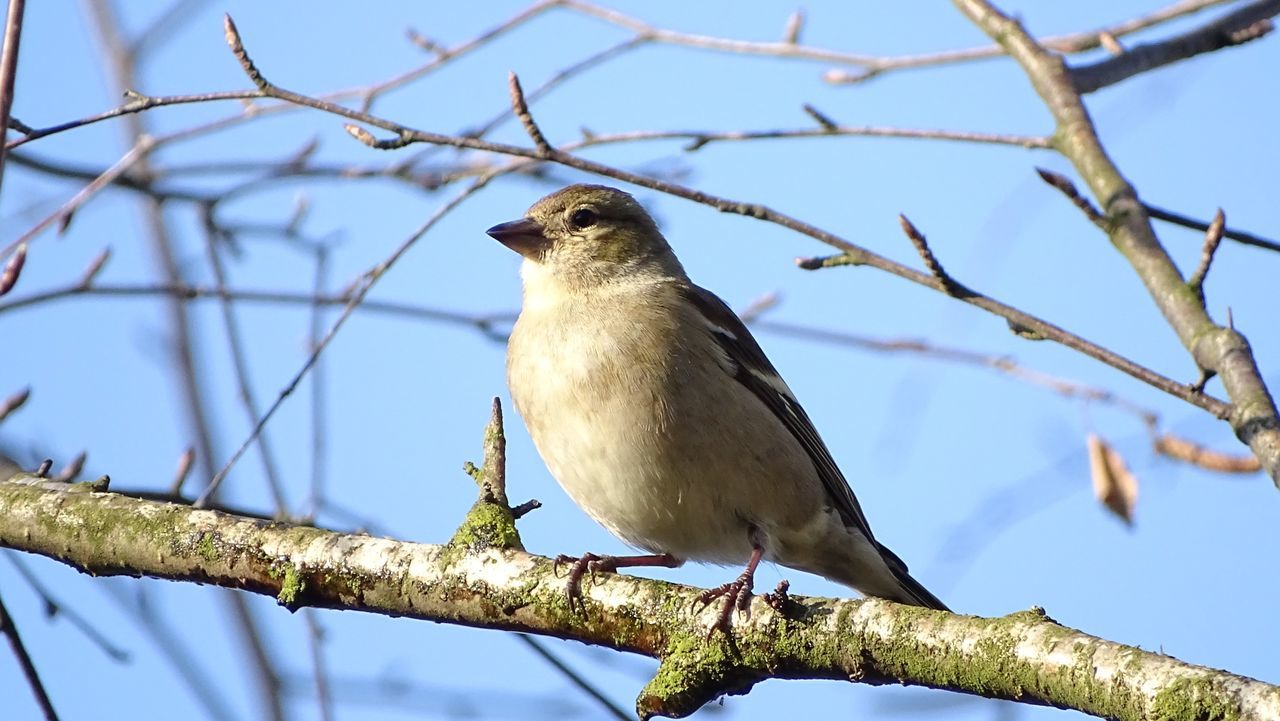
column 583, row 218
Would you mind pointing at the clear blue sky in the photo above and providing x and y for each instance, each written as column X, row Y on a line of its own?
column 978, row 481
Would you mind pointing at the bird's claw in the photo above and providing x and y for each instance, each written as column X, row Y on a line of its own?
column 736, row 594
column 573, row 587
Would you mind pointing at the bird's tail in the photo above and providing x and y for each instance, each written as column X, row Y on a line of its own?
column 910, row 591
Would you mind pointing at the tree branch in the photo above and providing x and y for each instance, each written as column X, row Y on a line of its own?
column 1217, row 349
column 482, row 579
column 1248, row 23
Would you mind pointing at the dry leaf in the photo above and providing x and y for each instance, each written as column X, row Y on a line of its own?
column 1113, row 484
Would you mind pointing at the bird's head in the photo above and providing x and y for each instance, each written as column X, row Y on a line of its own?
column 588, row 234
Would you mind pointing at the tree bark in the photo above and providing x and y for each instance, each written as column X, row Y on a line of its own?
column 483, row 578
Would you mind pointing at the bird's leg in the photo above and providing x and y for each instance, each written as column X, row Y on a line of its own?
column 591, row 562
column 736, row 593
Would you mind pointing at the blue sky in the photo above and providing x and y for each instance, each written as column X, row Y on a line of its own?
column 978, row 481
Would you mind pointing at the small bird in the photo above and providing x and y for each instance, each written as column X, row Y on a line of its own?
column 658, row 413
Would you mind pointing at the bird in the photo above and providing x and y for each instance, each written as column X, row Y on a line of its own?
column 659, row 414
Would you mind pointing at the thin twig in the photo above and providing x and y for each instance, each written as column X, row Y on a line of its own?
column 63, row 214
column 319, row 674
column 72, row 470
column 319, row 387
column 14, row 402
column 1006, row 365
column 447, row 55
column 1068, row 188
column 828, row 125
column 701, row 138
column 521, row 107
column 56, row 608
column 1239, row 236
column 185, row 661
column 240, row 365
column 10, row 630
column 9, row 70
column 871, row 65
column 185, row 292
column 1212, row 237
column 575, row 678
column 592, row 61
column 367, row 281
column 948, row 284
column 1242, row 25
column 183, row 471
column 136, row 103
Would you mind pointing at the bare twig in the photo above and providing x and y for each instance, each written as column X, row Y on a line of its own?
column 14, row 402
column 870, row 66
column 794, row 26
column 64, row 213
column 1252, row 414
column 1242, row 25
column 185, row 660
column 824, row 121
column 9, row 70
column 827, row 128
column 523, row 509
column 319, row 388
column 183, row 471
column 1239, row 236
column 521, row 107
column 69, row 472
column 590, row 62
column 28, row 667
column 1068, row 188
column 94, row 268
column 136, row 103
column 182, row 291
column 367, row 281
column 56, row 608
column 945, row 281
column 1001, row 364
column 1212, row 237
column 610, row 708
column 240, row 365
column 319, row 674
column 447, row 55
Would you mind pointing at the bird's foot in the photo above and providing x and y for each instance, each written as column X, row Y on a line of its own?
column 577, row 569
column 736, row 594
column 591, row 563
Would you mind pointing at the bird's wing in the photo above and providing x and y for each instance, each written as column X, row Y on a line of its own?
column 753, row 370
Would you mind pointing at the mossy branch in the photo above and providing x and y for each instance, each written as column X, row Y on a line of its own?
column 1025, row 656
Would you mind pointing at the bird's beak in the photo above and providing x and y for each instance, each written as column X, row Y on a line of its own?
column 524, row 236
